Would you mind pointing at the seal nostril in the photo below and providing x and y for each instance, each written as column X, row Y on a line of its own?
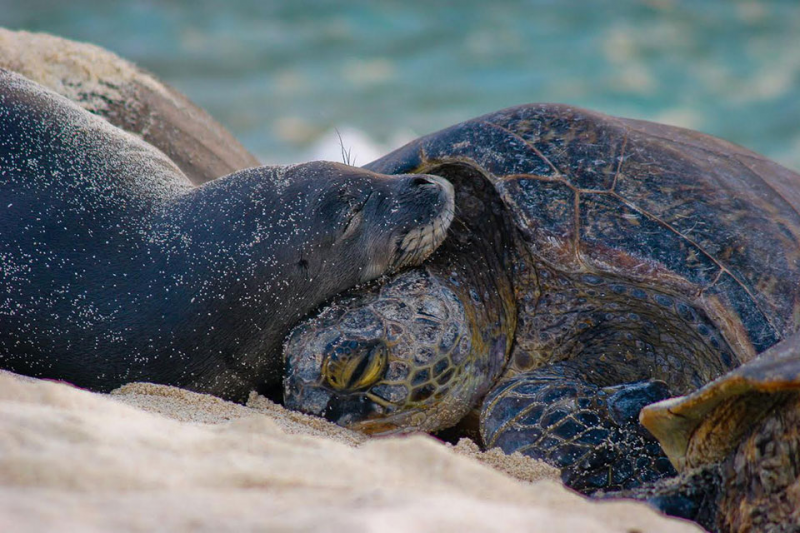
column 420, row 181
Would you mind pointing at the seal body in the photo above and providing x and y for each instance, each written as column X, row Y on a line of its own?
column 115, row 268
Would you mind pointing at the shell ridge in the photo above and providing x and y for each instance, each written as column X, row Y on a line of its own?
column 768, row 185
column 646, row 133
column 576, row 238
column 621, row 158
column 723, row 268
column 531, row 147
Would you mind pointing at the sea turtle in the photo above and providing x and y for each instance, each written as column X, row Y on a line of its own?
column 736, row 443
column 595, row 265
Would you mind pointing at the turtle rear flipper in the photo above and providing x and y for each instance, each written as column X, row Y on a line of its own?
column 693, row 496
column 742, row 429
column 590, row 432
column 742, row 480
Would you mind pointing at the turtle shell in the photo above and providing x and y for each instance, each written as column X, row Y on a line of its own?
column 704, row 426
column 664, row 207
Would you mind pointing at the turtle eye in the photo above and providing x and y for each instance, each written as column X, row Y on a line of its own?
column 355, row 365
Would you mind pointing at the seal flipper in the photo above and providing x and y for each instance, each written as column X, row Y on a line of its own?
column 590, row 432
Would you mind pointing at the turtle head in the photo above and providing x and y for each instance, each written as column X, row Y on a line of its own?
column 417, row 352
column 390, row 359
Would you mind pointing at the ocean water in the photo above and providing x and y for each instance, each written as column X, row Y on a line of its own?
column 283, row 76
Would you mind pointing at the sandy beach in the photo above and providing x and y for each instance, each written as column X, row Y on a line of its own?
column 150, row 457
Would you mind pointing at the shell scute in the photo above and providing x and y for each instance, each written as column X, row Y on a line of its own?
column 544, row 213
column 477, row 141
column 731, row 294
column 618, row 238
column 709, row 198
column 586, row 151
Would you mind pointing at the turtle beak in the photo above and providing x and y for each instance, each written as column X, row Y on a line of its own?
column 376, row 428
column 308, row 399
column 398, row 424
column 349, row 410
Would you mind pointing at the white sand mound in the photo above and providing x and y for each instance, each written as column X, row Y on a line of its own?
column 150, row 458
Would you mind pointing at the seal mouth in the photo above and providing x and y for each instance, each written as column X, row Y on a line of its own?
column 420, row 242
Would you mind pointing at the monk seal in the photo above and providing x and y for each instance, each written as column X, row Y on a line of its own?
column 114, row 267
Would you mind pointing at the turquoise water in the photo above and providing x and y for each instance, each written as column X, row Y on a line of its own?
column 282, row 75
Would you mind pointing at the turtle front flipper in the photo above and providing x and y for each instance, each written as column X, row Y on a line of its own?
column 591, row 433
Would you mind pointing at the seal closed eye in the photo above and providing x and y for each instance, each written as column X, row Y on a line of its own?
column 116, row 268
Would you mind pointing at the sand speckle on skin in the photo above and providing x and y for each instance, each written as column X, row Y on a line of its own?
column 150, row 457
column 128, row 97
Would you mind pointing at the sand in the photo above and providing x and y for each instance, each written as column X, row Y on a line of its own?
column 150, row 457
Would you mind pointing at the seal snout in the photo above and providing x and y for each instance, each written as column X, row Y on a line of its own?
column 424, row 180
column 434, row 183
column 436, row 199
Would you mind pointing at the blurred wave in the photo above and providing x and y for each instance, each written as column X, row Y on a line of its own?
column 283, row 75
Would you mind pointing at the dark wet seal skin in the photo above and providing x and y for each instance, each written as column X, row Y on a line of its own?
column 115, row 268
column 625, row 262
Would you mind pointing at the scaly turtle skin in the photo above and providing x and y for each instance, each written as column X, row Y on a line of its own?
column 736, row 443
column 627, row 261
